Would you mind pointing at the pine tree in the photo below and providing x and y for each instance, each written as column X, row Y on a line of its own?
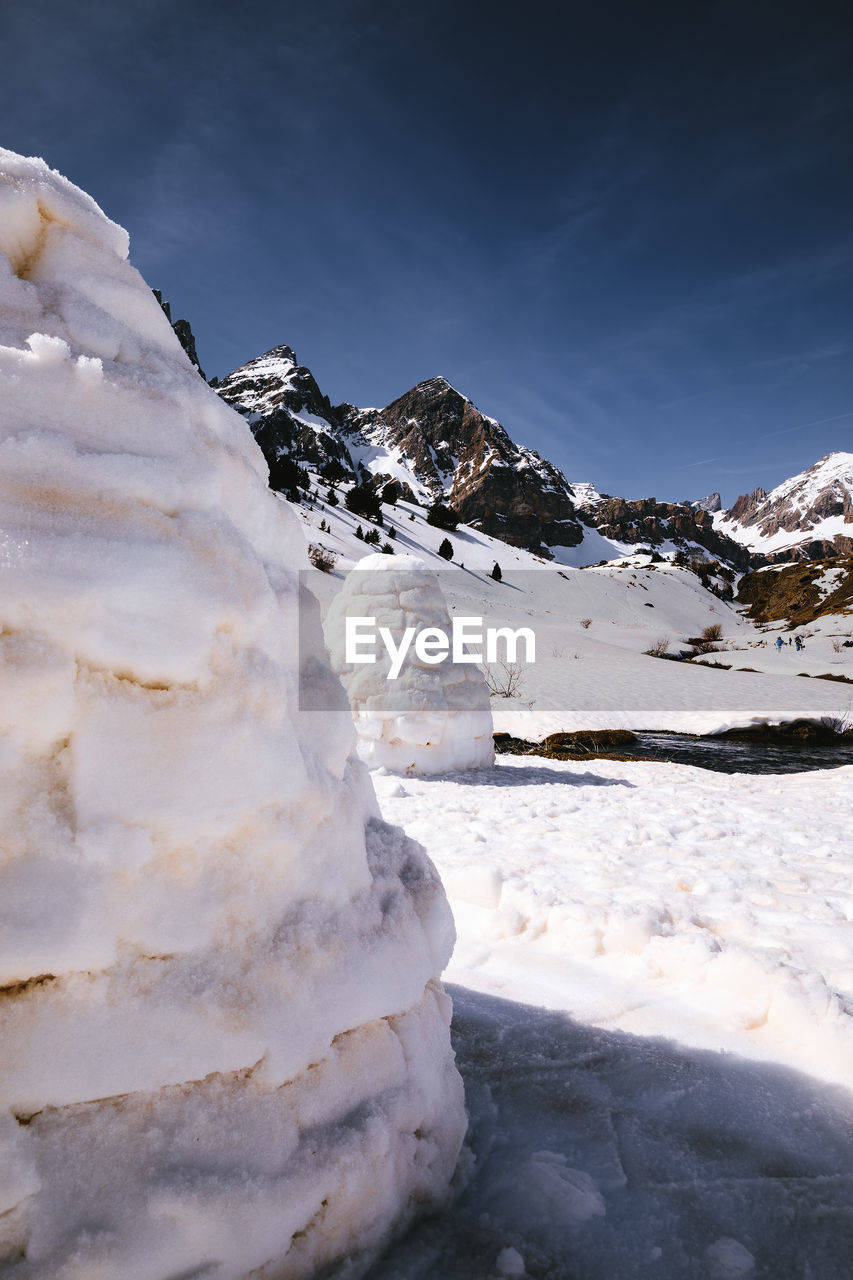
column 392, row 532
column 496, row 572
column 332, row 498
column 359, row 533
column 446, row 549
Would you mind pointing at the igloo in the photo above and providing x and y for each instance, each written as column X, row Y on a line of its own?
column 224, row 1048
column 433, row 717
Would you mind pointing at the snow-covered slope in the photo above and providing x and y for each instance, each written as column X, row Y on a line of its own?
column 223, row 1046
column 809, row 516
column 593, row 628
column 432, row 441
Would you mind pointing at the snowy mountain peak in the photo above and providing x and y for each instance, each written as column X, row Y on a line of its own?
column 432, row 440
column 808, row 516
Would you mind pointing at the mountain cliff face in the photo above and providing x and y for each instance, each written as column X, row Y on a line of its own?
column 437, row 446
column 183, row 332
column 432, row 441
column 808, row 517
column 461, row 456
column 647, row 522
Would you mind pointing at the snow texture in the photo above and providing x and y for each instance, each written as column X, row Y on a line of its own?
column 214, row 954
column 654, row 1021
column 430, row 718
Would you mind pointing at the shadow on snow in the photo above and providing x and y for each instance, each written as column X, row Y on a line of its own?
column 599, row 1155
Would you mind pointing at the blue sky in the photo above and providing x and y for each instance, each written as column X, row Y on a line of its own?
column 626, row 233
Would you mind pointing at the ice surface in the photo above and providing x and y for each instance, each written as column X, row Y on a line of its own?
column 224, row 1049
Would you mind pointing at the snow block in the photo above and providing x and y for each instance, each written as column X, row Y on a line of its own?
column 430, row 718
column 224, row 1049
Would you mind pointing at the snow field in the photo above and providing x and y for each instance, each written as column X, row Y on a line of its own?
column 649, row 959
column 658, row 899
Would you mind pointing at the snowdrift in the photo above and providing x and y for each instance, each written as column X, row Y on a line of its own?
column 223, row 1046
column 430, row 718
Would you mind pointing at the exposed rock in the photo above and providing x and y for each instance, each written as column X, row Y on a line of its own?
column 712, row 503
column 183, row 332
column 451, row 451
column 746, row 506
column 287, row 411
column 808, row 507
column 800, row 592
column 647, row 522
column 504, row 489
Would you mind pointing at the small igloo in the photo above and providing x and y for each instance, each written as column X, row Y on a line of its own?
column 224, row 1048
column 434, row 717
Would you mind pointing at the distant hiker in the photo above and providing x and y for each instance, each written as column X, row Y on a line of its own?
column 790, row 639
column 779, row 643
column 798, row 644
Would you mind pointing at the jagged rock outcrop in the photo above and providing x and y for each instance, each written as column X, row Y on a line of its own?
column 647, row 522
column 287, row 411
column 432, row 441
column 712, row 503
column 746, row 505
column 467, row 459
column 183, row 332
column 808, row 516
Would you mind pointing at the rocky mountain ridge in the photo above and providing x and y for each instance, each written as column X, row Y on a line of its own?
column 432, row 441
column 438, row 446
column 807, row 517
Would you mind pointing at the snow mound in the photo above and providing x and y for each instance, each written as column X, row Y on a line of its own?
column 224, row 1047
column 429, row 718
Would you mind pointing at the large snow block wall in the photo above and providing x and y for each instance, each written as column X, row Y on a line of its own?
column 223, row 1046
column 431, row 717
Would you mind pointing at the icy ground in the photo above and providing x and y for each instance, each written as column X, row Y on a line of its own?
column 654, row 1019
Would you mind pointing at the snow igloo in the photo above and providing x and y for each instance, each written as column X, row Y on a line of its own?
column 224, row 1049
column 433, row 717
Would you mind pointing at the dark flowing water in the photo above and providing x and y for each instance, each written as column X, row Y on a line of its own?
column 730, row 755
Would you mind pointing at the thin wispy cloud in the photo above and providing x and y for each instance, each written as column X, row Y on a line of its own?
column 804, row 426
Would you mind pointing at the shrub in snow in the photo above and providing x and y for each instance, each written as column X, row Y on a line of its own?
column 321, row 558
column 225, row 1050
column 431, row 718
column 503, row 679
column 446, row 549
column 496, row 572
